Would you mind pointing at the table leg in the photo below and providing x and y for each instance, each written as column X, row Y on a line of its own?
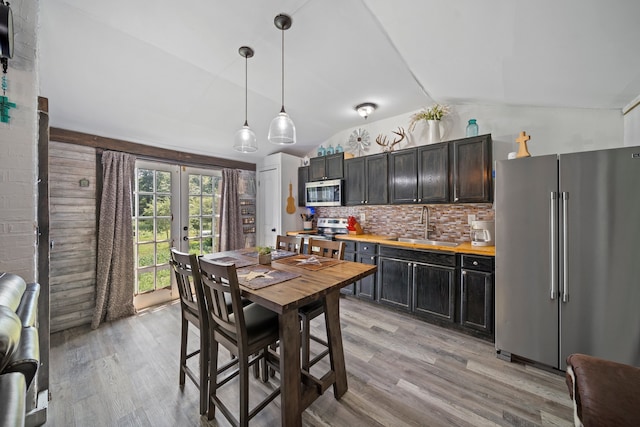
column 334, row 335
column 290, row 384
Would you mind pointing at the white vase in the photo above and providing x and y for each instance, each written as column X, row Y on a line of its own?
column 433, row 134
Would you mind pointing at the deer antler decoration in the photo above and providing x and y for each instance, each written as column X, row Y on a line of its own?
column 387, row 146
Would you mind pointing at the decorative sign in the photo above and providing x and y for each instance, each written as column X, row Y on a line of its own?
column 84, row 182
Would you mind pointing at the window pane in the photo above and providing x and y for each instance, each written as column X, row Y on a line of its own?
column 163, row 229
column 194, row 227
column 194, row 206
column 194, row 247
column 207, row 223
column 145, row 282
column 194, row 184
column 145, row 180
column 146, row 255
column 207, row 205
column 145, row 205
column 163, row 182
column 207, row 245
column 145, row 230
column 162, row 253
column 163, row 205
column 207, row 185
column 163, row 278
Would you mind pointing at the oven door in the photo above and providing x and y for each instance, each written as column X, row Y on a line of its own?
column 324, row 193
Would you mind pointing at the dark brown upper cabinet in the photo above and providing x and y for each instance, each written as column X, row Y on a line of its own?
column 470, row 160
column 366, row 180
column 326, row 167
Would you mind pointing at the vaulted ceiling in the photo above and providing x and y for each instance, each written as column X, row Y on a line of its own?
column 169, row 74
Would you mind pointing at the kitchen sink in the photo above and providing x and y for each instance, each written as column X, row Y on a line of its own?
column 428, row 242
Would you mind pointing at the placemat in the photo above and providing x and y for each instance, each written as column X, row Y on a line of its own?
column 256, row 277
column 310, row 262
column 239, row 261
column 275, row 254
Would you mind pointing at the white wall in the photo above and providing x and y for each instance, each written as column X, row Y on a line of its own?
column 552, row 130
column 18, row 149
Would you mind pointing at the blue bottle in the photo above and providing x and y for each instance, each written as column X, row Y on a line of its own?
column 339, row 149
column 472, row 128
column 330, row 150
column 321, row 151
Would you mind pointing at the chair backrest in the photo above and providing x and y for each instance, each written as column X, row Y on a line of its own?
column 185, row 267
column 326, row 248
column 219, row 279
column 289, row 243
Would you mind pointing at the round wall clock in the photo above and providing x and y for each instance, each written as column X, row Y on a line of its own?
column 6, row 31
column 359, row 140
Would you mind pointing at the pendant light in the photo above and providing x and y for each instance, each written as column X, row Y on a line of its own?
column 245, row 138
column 282, row 130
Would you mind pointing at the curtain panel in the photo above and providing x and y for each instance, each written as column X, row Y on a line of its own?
column 115, row 269
column 231, row 234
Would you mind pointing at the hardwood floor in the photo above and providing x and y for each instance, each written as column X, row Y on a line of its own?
column 402, row 371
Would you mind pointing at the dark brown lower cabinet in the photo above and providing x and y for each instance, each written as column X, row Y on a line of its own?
column 435, row 291
column 477, row 293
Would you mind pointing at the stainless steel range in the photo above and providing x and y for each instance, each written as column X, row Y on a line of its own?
column 328, row 228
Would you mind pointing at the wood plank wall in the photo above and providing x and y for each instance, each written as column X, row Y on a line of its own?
column 73, row 234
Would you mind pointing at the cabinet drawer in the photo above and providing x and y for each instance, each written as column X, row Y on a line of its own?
column 477, row 262
column 447, row 259
column 366, row 248
column 349, row 246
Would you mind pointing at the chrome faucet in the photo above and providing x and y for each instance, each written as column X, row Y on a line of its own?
column 424, row 219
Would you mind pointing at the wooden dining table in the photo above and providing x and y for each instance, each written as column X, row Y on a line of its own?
column 299, row 389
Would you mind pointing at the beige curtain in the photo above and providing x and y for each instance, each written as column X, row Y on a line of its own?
column 231, row 236
column 114, row 278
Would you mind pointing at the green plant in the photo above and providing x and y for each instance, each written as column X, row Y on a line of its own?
column 435, row 112
column 264, row 250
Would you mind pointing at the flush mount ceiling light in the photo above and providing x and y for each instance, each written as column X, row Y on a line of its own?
column 245, row 138
column 365, row 109
column 282, row 131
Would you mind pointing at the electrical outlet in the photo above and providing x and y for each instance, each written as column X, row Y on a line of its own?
column 470, row 218
column 362, row 217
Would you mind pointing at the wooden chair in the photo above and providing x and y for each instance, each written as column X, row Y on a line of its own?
column 247, row 332
column 193, row 312
column 327, row 249
column 289, row 243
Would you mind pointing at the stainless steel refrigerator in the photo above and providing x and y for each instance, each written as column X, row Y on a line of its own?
column 568, row 256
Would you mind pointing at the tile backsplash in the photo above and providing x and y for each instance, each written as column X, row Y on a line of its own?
column 448, row 222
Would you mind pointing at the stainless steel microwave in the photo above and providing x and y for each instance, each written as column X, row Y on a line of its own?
column 324, row 193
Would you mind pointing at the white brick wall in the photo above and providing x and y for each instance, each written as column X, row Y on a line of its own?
column 18, row 149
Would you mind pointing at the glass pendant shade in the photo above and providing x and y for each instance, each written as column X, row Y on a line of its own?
column 282, row 131
column 245, row 140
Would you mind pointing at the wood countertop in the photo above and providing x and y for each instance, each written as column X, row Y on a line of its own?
column 463, row 248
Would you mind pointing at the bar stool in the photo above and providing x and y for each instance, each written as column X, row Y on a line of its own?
column 289, row 243
column 327, row 249
column 193, row 312
column 247, row 332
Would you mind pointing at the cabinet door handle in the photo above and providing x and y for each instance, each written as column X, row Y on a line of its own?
column 372, row 258
column 414, row 200
column 475, row 262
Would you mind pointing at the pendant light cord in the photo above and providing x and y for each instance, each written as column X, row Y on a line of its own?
column 282, row 110
column 246, row 66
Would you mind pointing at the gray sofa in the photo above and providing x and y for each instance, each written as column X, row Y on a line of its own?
column 19, row 348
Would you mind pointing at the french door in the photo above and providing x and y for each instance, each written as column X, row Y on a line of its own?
column 173, row 207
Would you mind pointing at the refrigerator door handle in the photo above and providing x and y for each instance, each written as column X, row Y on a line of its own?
column 552, row 244
column 565, row 246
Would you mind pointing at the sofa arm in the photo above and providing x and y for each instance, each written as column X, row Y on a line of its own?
column 12, row 287
column 604, row 393
column 10, row 330
column 28, row 309
column 26, row 358
column 12, row 399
